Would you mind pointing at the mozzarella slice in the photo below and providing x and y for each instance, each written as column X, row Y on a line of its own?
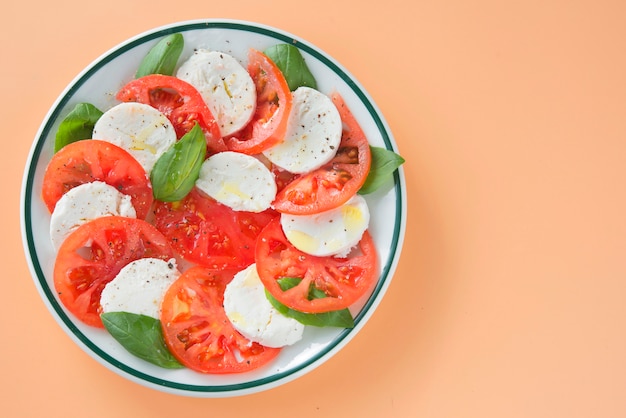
column 224, row 84
column 86, row 202
column 333, row 232
column 313, row 133
column 140, row 129
column 238, row 181
column 254, row 316
column 139, row 287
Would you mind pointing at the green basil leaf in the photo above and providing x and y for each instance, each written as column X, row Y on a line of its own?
column 176, row 171
column 286, row 283
column 162, row 57
column 384, row 163
column 341, row 318
column 291, row 63
column 77, row 125
column 142, row 336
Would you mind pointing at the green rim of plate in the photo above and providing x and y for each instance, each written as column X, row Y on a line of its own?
column 54, row 114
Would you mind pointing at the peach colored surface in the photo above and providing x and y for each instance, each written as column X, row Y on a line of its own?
column 509, row 299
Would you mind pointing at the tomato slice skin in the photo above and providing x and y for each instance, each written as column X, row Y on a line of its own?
column 90, row 160
column 205, row 232
column 197, row 330
column 91, row 256
column 274, row 102
column 333, row 184
column 344, row 280
column 179, row 101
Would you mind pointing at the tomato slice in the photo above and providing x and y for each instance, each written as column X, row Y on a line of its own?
column 269, row 122
column 205, row 232
column 179, row 101
column 343, row 280
column 93, row 254
column 197, row 330
column 90, row 160
column 333, row 184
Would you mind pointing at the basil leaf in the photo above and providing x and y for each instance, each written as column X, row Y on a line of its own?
column 142, row 336
column 77, row 125
column 162, row 57
column 341, row 318
column 176, row 171
column 286, row 283
column 384, row 163
column 291, row 63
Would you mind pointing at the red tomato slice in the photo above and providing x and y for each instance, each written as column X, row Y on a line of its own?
column 197, row 330
column 205, row 232
column 333, row 184
column 179, row 101
column 91, row 256
column 90, row 160
column 269, row 122
column 281, row 177
column 344, row 280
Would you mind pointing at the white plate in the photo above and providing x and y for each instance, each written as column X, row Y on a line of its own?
column 97, row 84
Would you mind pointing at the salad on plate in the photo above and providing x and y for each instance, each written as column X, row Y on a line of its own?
column 215, row 210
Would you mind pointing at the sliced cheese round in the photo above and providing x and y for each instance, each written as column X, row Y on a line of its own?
column 84, row 203
column 224, row 84
column 238, row 181
column 254, row 316
column 333, row 232
column 139, row 287
column 140, row 129
column 313, row 133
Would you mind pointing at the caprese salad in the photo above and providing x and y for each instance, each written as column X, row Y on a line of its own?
column 216, row 210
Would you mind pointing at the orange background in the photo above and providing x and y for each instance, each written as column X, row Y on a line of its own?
column 509, row 298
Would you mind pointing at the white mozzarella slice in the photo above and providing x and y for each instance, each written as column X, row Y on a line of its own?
column 238, row 181
column 333, row 232
column 84, row 203
column 139, row 287
column 224, row 84
column 313, row 133
column 254, row 316
column 140, row 129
